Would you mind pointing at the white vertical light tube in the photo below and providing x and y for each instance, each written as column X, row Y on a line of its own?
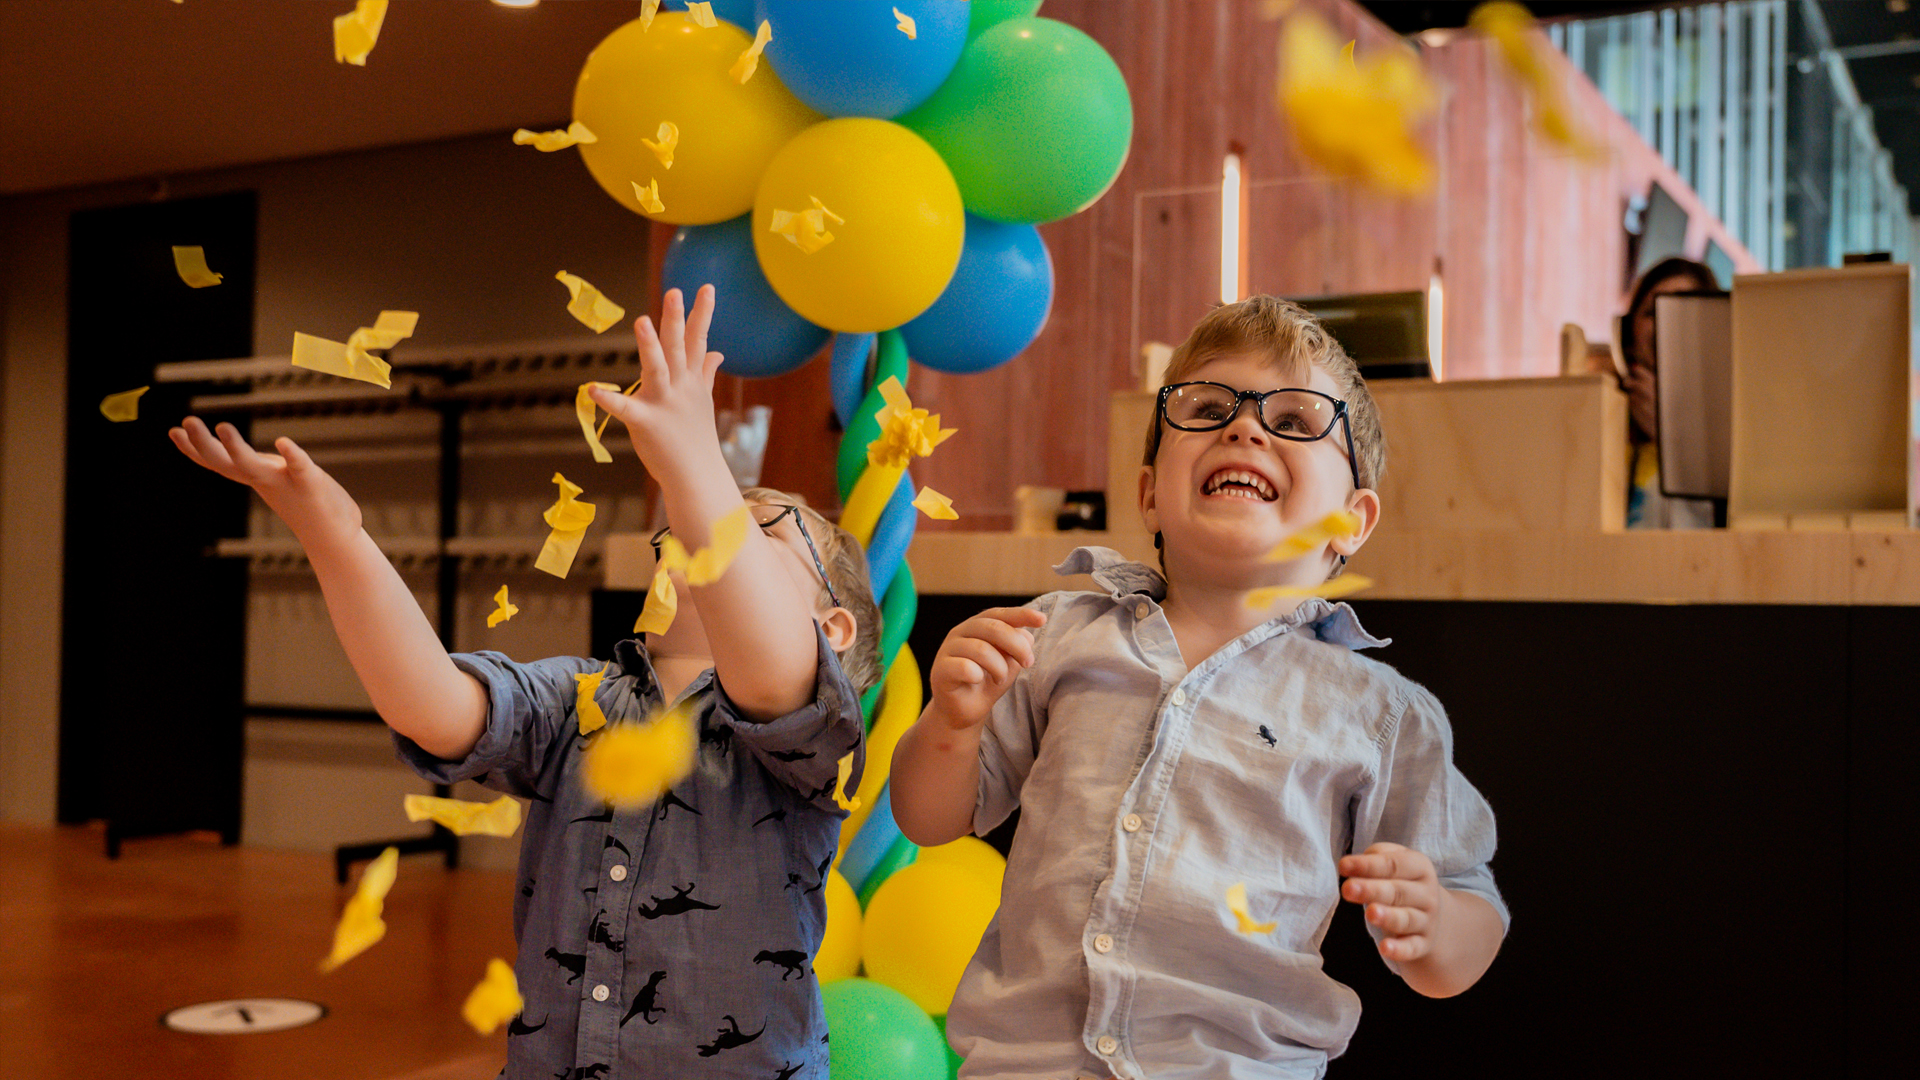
column 1436, row 324
column 1230, row 229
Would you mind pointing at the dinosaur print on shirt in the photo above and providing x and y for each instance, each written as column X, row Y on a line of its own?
column 681, row 902
column 729, row 1038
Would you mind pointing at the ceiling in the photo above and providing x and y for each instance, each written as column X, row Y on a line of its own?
column 103, row 90
column 100, row 90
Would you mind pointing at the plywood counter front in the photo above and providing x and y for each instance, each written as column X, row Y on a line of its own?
column 1710, row 567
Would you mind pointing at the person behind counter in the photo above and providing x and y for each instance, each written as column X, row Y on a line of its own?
column 1647, row 508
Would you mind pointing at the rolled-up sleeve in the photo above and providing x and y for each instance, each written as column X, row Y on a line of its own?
column 803, row 748
column 1419, row 799
column 1010, row 738
column 529, row 707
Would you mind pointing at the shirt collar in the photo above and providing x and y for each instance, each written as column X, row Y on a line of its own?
column 1335, row 624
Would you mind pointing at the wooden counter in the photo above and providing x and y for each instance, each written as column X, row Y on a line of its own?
column 1708, row 567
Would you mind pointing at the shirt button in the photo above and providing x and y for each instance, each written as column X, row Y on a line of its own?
column 600, row 992
column 618, row 873
column 1107, row 1044
column 1140, row 610
column 1131, row 823
column 1179, row 698
column 1103, row 944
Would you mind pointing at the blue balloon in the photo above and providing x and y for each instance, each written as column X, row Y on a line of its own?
column 995, row 305
column 737, row 12
column 891, row 536
column 752, row 327
column 849, row 381
column 876, row 837
column 849, row 57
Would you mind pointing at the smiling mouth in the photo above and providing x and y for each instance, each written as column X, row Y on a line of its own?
column 1239, row 484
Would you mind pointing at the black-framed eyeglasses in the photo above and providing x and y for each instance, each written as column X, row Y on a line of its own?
column 767, row 515
column 1291, row 413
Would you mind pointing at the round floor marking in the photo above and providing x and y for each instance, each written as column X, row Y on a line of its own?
column 243, row 1015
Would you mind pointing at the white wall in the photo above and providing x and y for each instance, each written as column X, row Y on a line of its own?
column 467, row 232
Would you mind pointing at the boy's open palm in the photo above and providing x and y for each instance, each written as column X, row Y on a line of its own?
column 979, row 660
column 312, row 503
column 672, row 410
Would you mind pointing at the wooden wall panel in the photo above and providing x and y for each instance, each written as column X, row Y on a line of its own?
column 1527, row 238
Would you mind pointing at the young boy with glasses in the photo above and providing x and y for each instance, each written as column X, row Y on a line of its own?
column 1166, row 742
column 672, row 939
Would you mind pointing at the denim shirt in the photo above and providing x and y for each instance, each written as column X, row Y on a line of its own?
column 1146, row 790
column 674, row 939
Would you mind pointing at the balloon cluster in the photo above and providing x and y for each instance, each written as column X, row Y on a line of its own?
column 884, row 168
column 879, row 177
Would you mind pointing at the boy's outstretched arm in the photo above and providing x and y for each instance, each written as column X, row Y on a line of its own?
column 759, row 627
column 1440, row 940
column 413, row 684
column 936, row 765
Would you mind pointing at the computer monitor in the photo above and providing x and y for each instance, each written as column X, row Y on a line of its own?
column 1385, row 333
column 1693, row 334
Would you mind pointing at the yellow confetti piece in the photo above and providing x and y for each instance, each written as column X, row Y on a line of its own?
column 1344, row 585
column 558, row 139
column 607, row 419
column 706, row 566
column 1339, row 524
column 661, row 606
column 355, row 32
column 648, row 9
column 584, row 409
column 569, row 520
column 749, row 61
column 632, row 765
column 935, row 505
column 123, row 406
column 191, row 264
column 905, row 432
column 667, row 137
column 332, row 358
column 840, row 798
column 649, row 196
column 1522, row 48
column 806, row 229
column 501, row 817
column 701, row 12
column 502, row 613
column 388, row 330
column 904, row 23
column 1237, row 903
column 360, row 924
column 1354, row 120
column 592, row 719
column 495, row 1000
column 588, row 305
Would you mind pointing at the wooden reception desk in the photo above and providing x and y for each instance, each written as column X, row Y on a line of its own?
column 1504, row 490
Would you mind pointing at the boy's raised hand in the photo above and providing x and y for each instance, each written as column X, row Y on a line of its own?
column 978, row 662
column 1402, row 894
column 671, row 415
column 313, row 504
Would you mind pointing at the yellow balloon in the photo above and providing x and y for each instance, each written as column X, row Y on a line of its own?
column 975, row 854
column 922, row 926
column 677, row 73
column 892, row 209
column 839, row 955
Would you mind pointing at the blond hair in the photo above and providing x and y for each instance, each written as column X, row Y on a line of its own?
column 1288, row 337
column 846, row 566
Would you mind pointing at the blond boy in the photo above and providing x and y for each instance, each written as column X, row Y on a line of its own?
column 1165, row 741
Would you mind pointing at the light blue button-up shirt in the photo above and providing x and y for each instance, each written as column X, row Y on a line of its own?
column 1146, row 790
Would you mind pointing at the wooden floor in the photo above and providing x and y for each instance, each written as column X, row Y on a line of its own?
column 93, row 952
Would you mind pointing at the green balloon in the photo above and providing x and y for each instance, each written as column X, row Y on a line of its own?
column 1035, row 121
column 953, row 1057
column 986, row 13
column 903, row 853
column 877, row 1033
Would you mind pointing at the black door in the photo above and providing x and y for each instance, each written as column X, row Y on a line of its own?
column 153, row 629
